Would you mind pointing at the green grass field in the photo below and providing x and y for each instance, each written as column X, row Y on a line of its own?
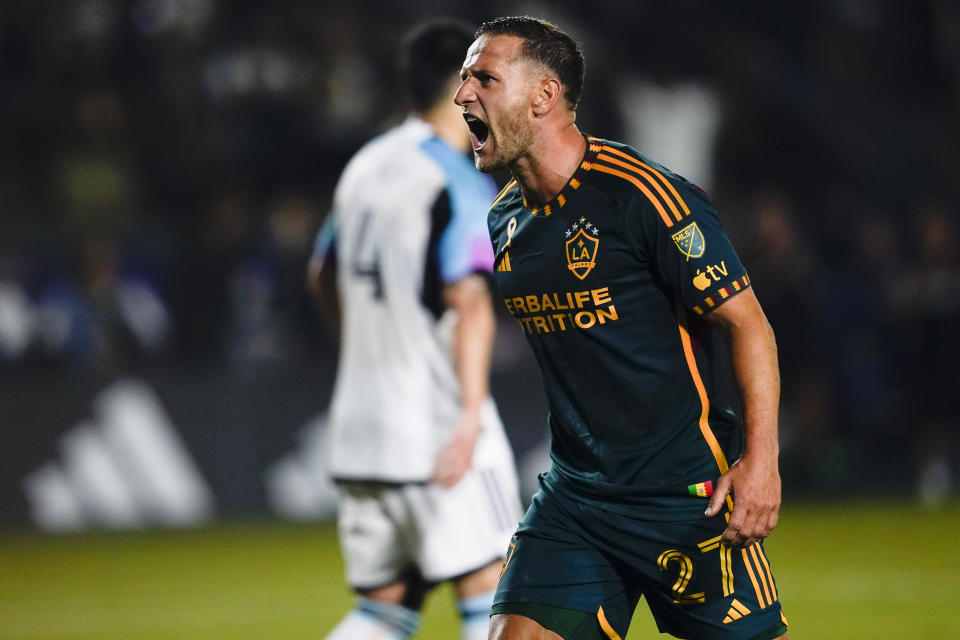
column 846, row 571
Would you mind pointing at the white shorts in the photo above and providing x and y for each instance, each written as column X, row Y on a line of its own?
column 445, row 533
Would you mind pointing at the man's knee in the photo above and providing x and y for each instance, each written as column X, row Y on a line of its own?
column 392, row 593
column 512, row 626
column 409, row 591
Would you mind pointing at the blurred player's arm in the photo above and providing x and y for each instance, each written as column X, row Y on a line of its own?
column 322, row 278
column 472, row 345
column 755, row 478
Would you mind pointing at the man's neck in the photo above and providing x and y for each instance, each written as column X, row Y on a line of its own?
column 552, row 161
column 447, row 122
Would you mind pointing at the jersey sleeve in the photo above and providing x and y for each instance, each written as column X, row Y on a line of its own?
column 326, row 239
column 464, row 247
column 680, row 232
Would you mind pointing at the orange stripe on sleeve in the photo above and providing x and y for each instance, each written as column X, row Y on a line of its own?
column 669, row 186
column 649, row 178
column 639, row 185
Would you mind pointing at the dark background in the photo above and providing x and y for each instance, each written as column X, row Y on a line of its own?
column 165, row 164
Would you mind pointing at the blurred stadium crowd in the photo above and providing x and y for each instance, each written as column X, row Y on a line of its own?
column 166, row 163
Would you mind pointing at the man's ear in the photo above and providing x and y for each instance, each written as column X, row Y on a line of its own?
column 547, row 93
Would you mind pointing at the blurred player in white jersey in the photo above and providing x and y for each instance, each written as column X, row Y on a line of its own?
column 428, row 488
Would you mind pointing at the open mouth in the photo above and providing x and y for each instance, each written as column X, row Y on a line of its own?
column 479, row 131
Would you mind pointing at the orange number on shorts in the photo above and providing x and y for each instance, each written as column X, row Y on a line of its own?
column 683, row 577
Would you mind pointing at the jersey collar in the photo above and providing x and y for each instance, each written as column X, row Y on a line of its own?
column 589, row 156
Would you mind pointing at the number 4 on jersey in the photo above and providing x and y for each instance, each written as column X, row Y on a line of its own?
column 366, row 257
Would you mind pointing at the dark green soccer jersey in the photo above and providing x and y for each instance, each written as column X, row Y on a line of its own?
column 608, row 282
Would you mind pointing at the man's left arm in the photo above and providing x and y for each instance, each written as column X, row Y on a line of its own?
column 473, row 336
column 755, row 478
column 321, row 277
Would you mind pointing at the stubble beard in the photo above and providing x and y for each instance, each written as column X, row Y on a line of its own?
column 514, row 139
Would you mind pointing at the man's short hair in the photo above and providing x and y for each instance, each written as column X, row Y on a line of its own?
column 548, row 45
column 431, row 55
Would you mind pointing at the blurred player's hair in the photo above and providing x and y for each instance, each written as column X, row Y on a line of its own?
column 545, row 43
column 430, row 57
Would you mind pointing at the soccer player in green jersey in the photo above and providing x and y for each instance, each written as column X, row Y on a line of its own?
column 650, row 340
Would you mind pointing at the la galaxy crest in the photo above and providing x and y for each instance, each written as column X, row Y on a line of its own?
column 689, row 241
column 581, row 247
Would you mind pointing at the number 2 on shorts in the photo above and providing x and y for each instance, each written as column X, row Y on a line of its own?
column 685, row 565
column 683, row 578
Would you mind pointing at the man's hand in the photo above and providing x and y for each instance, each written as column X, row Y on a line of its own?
column 756, row 485
column 454, row 459
column 753, row 481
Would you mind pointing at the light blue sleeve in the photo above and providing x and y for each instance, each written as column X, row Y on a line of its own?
column 464, row 245
column 326, row 238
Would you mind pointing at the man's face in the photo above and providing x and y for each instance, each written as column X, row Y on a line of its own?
column 495, row 97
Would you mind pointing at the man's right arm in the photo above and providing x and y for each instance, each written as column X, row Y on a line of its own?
column 755, row 478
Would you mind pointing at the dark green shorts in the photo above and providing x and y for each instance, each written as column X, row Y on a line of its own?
column 571, row 555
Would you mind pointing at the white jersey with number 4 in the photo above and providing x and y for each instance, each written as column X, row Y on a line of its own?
column 409, row 217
